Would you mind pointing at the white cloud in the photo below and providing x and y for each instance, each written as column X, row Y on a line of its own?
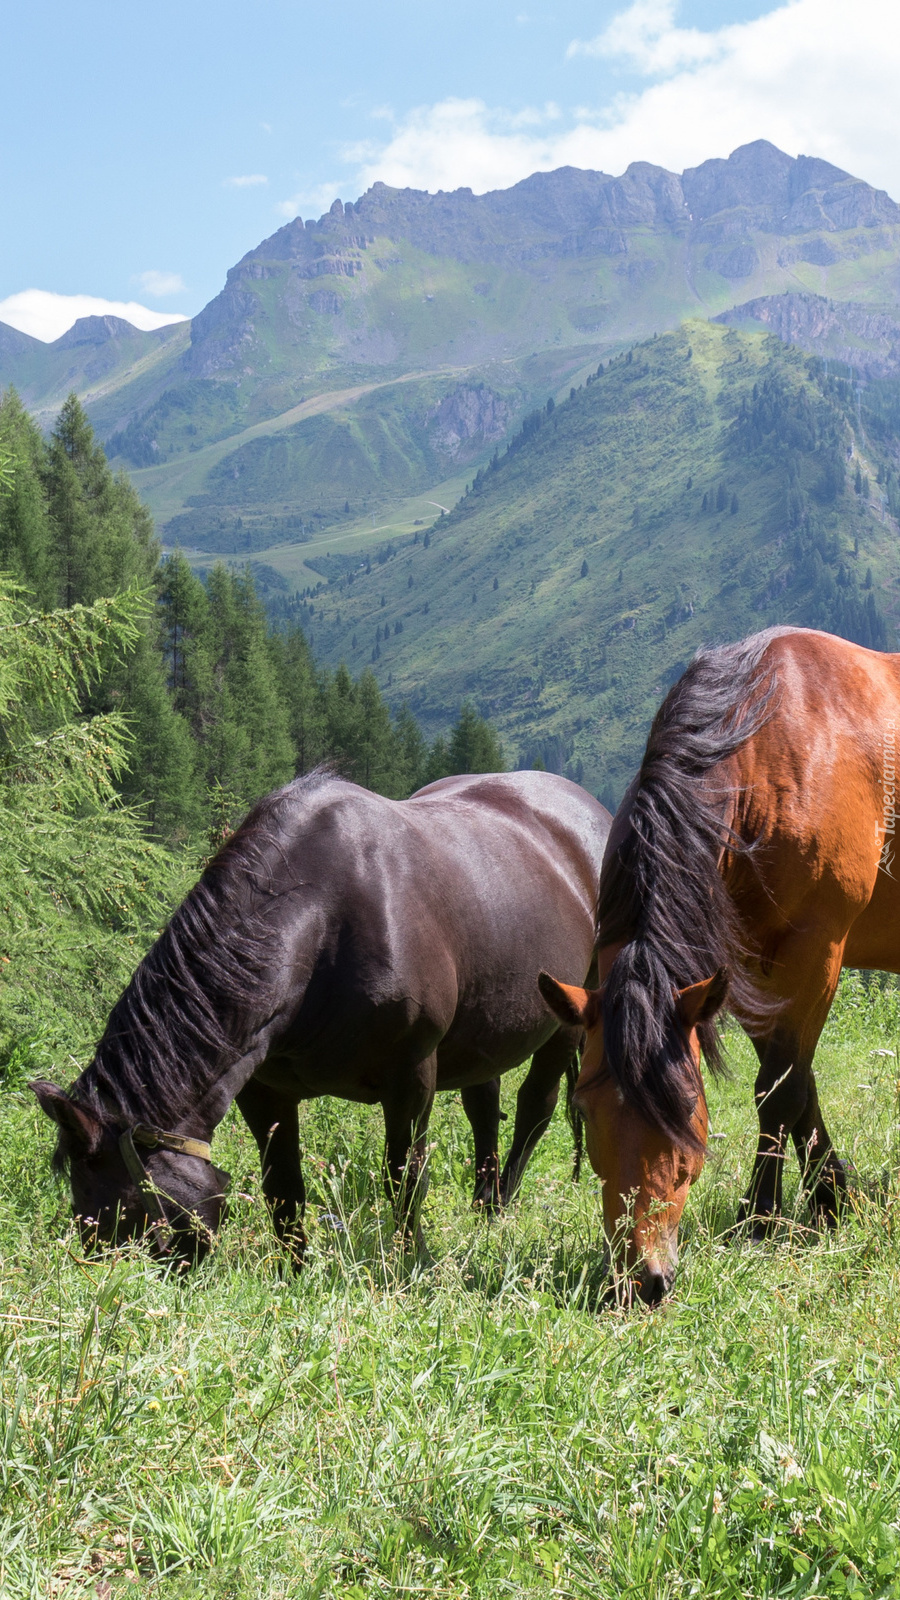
column 812, row 76
column 313, row 201
column 47, row 316
column 160, row 284
column 645, row 35
column 247, row 180
column 459, row 142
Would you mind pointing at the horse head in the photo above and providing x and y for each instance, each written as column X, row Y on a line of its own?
column 129, row 1181
column 646, row 1171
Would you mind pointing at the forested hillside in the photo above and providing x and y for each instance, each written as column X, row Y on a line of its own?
column 702, row 485
column 218, row 707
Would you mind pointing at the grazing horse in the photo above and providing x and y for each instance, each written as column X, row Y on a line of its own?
column 753, row 855
column 340, row 943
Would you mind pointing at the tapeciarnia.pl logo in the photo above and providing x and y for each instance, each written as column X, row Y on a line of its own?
column 885, row 828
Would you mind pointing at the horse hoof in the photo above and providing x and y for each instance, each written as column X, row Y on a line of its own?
column 488, row 1198
column 752, row 1227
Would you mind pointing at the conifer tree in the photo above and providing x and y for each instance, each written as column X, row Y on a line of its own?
column 438, row 763
column 186, row 643
column 163, row 773
column 377, row 761
column 102, row 536
column 304, row 699
column 474, row 746
column 248, row 747
column 412, row 752
column 341, row 720
column 25, row 535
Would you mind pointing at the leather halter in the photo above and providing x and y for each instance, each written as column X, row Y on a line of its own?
column 157, row 1139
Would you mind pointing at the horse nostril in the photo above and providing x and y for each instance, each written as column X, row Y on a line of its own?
column 654, row 1288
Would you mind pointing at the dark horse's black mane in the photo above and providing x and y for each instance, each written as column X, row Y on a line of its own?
column 209, row 979
column 661, row 893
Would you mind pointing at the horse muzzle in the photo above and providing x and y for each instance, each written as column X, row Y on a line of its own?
column 656, row 1274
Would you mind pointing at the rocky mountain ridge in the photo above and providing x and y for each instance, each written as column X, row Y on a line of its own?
column 567, row 215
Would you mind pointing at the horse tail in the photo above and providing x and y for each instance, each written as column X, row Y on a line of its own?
column 575, row 1118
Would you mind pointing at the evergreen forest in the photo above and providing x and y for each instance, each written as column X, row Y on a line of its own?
column 216, row 706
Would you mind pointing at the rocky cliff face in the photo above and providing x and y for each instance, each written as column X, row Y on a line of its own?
column 858, row 335
column 468, row 419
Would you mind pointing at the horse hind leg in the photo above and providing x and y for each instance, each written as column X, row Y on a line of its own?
column 272, row 1120
column 481, row 1103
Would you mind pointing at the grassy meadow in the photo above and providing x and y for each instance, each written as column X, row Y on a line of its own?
column 476, row 1425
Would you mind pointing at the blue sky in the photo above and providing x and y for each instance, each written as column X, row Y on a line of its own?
column 143, row 150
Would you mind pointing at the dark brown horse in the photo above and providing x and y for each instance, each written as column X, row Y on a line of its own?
column 343, row 944
column 753, row 853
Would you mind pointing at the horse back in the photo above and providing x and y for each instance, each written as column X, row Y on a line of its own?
column 409, row 924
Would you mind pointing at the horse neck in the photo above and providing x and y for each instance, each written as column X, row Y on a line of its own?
column 177, row 1102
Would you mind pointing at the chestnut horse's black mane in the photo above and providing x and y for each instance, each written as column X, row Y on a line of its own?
column 208, row 980
column 661, row 893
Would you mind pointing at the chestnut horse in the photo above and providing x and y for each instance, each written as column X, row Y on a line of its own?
column 340, row 943
column 752, row 854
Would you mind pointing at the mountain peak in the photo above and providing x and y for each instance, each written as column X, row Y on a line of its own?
column 782, row 193
column 95, row 330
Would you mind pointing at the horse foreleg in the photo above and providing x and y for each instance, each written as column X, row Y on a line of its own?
column 824, row 1178
column 481, row 1103
column 786, row 1097
column 787, row 1103
column 780, row 1092
column 407, row 1108
column 535, row 1105
column 272, row 1120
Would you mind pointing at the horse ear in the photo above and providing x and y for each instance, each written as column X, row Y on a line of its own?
column 577, row 1008
column 700, row 1001
column 81, row 1125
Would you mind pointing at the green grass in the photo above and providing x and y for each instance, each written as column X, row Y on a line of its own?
column 475, row 1426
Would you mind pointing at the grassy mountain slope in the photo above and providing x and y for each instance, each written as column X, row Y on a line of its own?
column 350, row 452
column 571, row 667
